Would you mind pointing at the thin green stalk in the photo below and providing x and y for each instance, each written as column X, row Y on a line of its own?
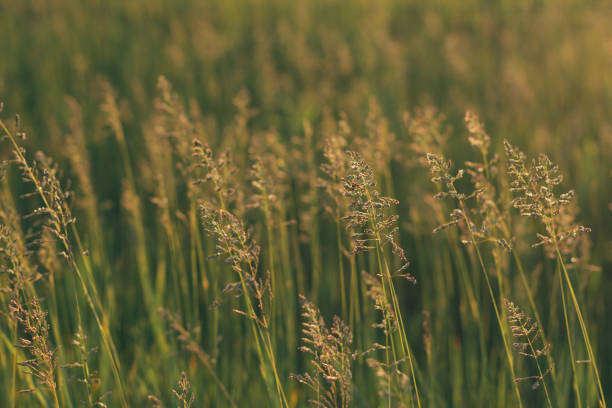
column 532, row 304
column 569, row 339
column 193, row 258
column 150, row 300
column 355, row 312
column 261, row 334
column 386, row 276
column 583, row 328
column 341, row 269
column 85, row 364
column 14, row 369
column 56, row 333
column 533, row 352
column 497, row 314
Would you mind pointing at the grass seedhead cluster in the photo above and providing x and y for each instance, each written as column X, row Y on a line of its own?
column 331, row 355
column 527, row 336
column 184, row 393
column 234, row 244
column 368, row 214
column 35, row 340
column 534, row 189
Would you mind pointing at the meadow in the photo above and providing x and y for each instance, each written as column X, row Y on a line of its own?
column 273, row 203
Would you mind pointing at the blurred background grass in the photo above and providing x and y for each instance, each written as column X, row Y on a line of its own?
column 538, row 73
column 534, row 72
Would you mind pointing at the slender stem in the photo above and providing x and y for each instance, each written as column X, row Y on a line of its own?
column 535, row 357
column 569, row 339
column 532, row 304
column 14, row 369
column 261, row 333
column 497, row 314
column 388, row 279
column 583, row 328
column 341, row 269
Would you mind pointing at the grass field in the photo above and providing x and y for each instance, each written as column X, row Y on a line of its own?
column 274, row 203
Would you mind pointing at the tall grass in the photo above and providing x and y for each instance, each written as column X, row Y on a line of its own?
column 257, row 227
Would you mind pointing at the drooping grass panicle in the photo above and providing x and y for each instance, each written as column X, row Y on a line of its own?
column 374, row 291
column 428, row 134
column 15, row 252
column 26, row 312
column 494, row 211
column 527, row 336
column 269, row 173
column 482, row 173
column 42, row 173
column 441, row 174
column 234, row 243
column 331, row 354
column 368, row 214
column 489, row 206
column 33, row 320
column 184, row 393
column 534, row 188
column 490, row 217
column 217, row 171
column 335, row 168
column 334, row 201
column 393, row 384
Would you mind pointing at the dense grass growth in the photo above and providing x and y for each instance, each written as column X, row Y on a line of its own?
column 286, row 203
